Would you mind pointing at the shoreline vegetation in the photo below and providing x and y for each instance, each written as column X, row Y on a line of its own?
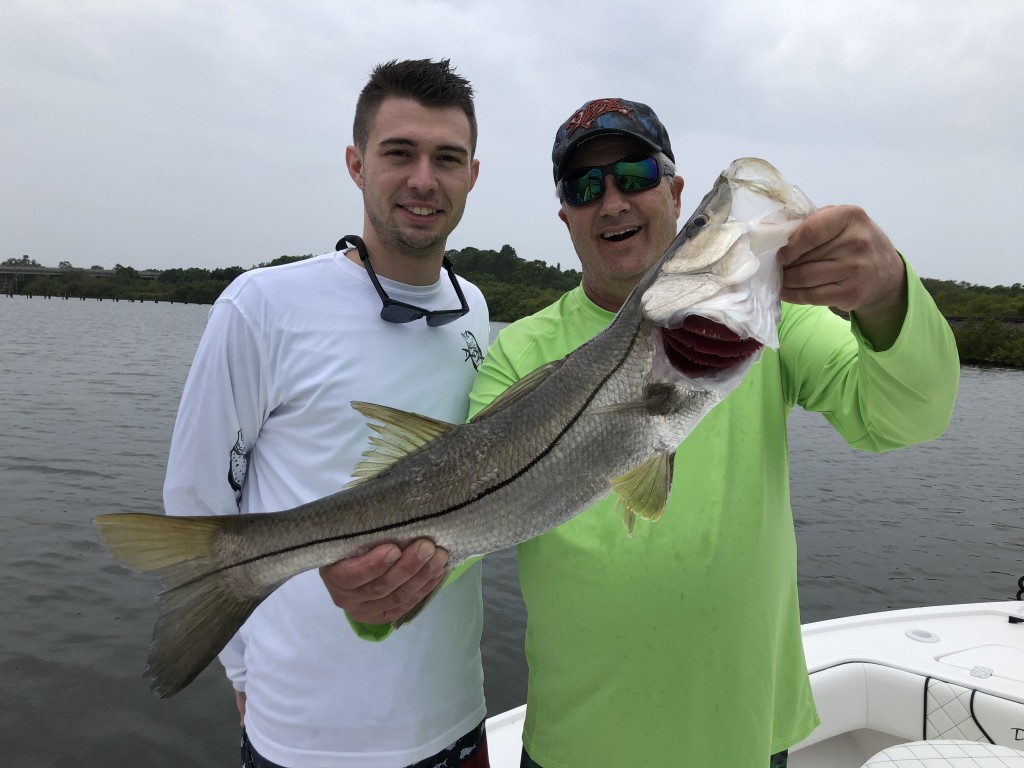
column 988, row 322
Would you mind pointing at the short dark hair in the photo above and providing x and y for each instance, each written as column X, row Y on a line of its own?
column 429, row 83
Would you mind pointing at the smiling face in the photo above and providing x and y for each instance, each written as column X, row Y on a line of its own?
column 415, row 172
column 620, row 235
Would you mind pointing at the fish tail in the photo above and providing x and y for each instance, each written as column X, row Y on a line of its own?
column 152, row 543
column 200, row 610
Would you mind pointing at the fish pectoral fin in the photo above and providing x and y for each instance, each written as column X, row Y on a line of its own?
column 606, row 410
column 417, row 609
column 399, row 433
column 520, row 389
column 658, row 399
column 644, row 491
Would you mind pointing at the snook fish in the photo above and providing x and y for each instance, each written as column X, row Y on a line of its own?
column 607, row 417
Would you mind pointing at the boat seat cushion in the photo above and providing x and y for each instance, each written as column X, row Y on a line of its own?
column 946, row 754
column 861, row 695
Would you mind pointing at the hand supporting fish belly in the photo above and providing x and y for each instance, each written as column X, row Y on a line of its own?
column 607, row 417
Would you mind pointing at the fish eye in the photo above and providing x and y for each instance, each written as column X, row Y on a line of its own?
column 699, row 221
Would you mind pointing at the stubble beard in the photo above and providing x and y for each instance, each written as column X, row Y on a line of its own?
column 392, row 236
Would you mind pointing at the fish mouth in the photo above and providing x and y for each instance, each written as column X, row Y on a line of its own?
column 702, row 346
column 620, row 235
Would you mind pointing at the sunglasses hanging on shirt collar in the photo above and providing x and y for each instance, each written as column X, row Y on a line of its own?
column 397, row 311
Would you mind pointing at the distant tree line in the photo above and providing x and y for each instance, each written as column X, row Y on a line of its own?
column 978, row 315
column 981, row 317
column 514, row 287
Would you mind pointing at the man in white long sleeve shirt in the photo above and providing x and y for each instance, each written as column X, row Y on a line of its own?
column 265, row 423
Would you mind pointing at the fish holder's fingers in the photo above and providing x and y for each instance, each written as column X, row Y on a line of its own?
column 417, row 609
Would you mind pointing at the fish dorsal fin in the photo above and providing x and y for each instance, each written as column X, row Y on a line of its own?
column 399, row 433
column 520, row 389
column 644, row 490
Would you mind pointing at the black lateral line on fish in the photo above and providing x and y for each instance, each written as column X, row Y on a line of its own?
column 422, row 518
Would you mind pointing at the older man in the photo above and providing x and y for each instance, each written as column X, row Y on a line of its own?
column 681, row 646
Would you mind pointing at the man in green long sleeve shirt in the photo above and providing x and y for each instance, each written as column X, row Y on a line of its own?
column 681, row 645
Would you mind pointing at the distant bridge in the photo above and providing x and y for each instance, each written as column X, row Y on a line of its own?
column 13, row 277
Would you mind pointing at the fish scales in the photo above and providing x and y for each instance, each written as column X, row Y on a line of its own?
column 560, row 434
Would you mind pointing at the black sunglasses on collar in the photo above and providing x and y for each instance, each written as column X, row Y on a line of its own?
column 397, row 311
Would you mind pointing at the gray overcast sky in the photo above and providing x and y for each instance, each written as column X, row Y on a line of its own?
column 211, row 133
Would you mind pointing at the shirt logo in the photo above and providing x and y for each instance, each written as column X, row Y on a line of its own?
column 472, row 349
column 238, row 466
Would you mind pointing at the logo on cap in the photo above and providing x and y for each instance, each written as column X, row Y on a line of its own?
column 586, row 116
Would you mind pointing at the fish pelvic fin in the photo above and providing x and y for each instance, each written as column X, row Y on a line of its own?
column 399, row 433
column 519, row 390
column 200, row 612
column 644, row 490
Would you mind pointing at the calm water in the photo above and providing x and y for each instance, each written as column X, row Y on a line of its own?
column 88, row 393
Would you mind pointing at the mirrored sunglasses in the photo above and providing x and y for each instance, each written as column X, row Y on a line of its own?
column 632, row 174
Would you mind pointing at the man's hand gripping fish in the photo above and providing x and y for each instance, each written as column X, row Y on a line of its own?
column 607, row 417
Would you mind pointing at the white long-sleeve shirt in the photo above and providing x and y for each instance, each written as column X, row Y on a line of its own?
column 265, row 424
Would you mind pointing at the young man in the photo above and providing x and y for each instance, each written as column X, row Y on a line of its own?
column 682, row 646
column 265, row 423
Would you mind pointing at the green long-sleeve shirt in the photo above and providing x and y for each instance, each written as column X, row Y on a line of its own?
column 681, row 646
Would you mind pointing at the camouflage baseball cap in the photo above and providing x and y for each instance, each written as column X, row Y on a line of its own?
column 609, row 116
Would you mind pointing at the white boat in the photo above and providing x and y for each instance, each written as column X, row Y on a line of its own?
column 940, row 686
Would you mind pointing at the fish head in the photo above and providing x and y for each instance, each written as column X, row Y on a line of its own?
column 722, row 264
